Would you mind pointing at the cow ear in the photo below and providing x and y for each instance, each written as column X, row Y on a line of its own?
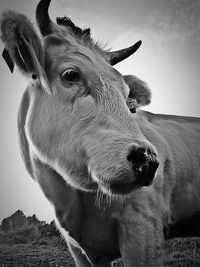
column 139, row 95
column 23, row 47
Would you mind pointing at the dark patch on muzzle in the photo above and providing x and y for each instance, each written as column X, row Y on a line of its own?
column 144, row 164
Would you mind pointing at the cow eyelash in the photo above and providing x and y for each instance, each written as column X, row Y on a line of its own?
column 70, row 75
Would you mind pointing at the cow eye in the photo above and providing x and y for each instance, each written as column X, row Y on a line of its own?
column 70, row 75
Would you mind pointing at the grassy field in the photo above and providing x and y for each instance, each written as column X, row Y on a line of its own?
column 20, row 250
column 28, row 255
column 179, row 253
column 183, row 252
column 27, row 247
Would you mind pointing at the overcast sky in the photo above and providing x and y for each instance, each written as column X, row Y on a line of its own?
column 168, row 60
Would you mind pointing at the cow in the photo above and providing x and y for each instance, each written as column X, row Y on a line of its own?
column 115, row 174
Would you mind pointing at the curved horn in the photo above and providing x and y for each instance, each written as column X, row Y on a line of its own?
column 42, row 16
column 117, row 56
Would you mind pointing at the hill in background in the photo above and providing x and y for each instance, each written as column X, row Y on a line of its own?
column 18, row 220
column 27, row 241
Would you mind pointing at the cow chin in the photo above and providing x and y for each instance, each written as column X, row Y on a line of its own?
column 116, row 186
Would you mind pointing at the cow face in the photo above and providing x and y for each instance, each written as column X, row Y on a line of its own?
column 78, row 121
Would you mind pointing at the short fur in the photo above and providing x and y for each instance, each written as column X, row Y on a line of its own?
column 75, row 139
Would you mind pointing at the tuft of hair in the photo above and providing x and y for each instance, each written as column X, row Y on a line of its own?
column 65, row 21
column 139, row 90
column 81, row 35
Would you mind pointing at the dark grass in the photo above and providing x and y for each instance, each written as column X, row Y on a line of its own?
column 28, row 255
column 27, row 247
column 180, row 252
column 183, row 252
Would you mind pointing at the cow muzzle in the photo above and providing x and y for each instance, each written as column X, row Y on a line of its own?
column 144, row 164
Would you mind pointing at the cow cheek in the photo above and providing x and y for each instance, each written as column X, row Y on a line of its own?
column 107, row 161
column 72, row 161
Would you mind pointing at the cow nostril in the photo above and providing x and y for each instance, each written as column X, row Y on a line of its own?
column 147, row 173
column 137, row 156
column 144, row 163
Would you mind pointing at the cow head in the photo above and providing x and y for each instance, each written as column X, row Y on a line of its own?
column 78, row 121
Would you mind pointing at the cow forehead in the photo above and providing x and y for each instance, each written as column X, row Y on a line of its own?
column 65, row 52
column 69, row 43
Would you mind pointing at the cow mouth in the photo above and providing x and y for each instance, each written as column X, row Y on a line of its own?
column 122, row 189
column 127, row 185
